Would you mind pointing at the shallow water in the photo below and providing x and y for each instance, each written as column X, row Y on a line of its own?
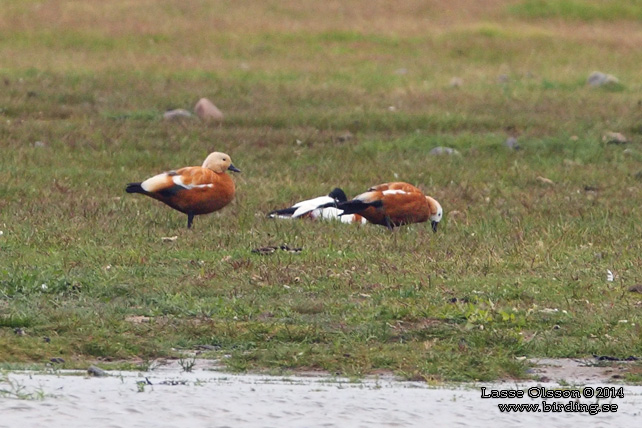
column 206, row 398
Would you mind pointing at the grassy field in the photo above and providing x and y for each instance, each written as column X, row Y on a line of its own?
column 517, row 269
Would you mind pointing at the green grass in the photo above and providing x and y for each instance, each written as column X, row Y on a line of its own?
column 595, row 10
column 518, row 267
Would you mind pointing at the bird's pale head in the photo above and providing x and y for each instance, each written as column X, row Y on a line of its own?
column 436, row 212
column 219, row 162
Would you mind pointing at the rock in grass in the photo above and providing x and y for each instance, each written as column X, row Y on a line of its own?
column 637, row 288
column 511, row 143
column 96, row 371
column 440, row 150
column 456, row 82
column 614, row 138
column 598, row 78
column 177, row 114
column 345, row 137
column 544, row 180
column 207, row 111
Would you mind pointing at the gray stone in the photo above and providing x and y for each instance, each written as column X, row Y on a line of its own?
column 440, row 150
column 511, row 143
column 179, row 113
column 598, row 78
column 96, row 371
column 614, row 138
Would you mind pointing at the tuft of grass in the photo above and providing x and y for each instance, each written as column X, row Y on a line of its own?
column 579, row 10
column 12, row 389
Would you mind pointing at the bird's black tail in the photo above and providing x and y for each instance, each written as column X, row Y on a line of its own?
column 134, row 188
column 354, row 206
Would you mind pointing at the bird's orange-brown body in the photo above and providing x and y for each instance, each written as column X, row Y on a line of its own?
column 211, row 192
column 395, row 204
column 192, row 190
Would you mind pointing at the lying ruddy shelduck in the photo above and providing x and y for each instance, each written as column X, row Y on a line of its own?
column 321, row 208
column 193, row 190
column 394, row 204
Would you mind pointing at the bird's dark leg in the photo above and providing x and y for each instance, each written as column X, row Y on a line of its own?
column 190, row 219
column 388, row 223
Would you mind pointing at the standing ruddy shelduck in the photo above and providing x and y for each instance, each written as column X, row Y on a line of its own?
column 394, row 204
column 322, row 208
column 192, row 190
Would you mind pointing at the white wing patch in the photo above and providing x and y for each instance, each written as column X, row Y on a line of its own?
column 178, row 180
column 304, row 207
column 366, row 197
column 395, row 192
column 155, row 183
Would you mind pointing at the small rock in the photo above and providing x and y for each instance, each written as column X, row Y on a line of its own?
column 265, row 250
column 138, row 319
column 169, row 238
column 19, row 331
column 290, row 249
column 271, row 249
column 456, row 82
column 597, row 78
column 440, row 150
column 57, row 360
column 40, row 144
column 207, row 111
column 208, row 347
column 47, row 339
column 177, row 114
column 96, row 371
column 511, row 143
column 544, row 180
column 614, row 138
column 345, row 137
column 637, row 288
